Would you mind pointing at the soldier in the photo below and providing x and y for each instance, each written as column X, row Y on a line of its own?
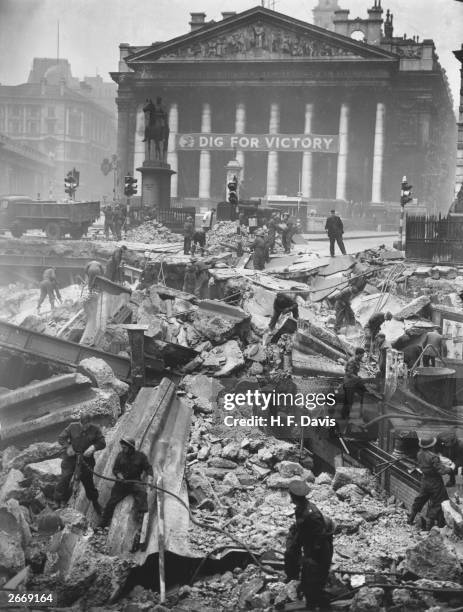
column 452, row 448
column 93, row 269
column 432, row 486
column 311, row 535
column 437, row 348
column 335, row 229
column 50, row 274
column 46, row 289
column 189, row 280
column 352, row 383
column 272, row 228
column 202, row 281
column 108, row 221
column 373, row 326
column 260, row 248
column 130, row 465
column 283, row 304
column 199, row 238
column 343, row 309
column 118, row 221
column 188, row 231
column 81, row 440
column 114, row 265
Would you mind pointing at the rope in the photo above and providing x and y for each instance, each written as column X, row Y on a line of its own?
column 192, row 517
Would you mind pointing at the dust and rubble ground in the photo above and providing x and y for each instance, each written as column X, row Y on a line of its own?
column 238, row 477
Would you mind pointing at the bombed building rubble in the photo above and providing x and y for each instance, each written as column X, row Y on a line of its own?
column 216, row 403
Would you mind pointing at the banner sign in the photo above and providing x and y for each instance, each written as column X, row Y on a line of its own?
column 258, row 142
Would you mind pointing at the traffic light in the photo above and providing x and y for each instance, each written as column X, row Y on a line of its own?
column 71, row 181
column 232, row 191
column 130, row 186
column 405, row 192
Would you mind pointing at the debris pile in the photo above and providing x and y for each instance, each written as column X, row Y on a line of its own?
column 152, row 231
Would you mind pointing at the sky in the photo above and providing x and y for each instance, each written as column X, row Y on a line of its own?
column 91, row 30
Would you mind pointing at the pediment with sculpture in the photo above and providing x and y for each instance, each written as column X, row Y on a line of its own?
column 258, row 41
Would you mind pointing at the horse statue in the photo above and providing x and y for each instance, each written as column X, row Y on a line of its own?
column 156, row 128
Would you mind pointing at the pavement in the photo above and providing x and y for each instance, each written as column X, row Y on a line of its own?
column 354, row 242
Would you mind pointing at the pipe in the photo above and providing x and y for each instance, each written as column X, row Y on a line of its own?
column 162, row 568
column 413, row 417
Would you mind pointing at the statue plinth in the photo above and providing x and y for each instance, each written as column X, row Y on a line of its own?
column 155, row 186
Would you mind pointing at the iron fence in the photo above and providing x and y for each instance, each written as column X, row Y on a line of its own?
column 174, row 218
column 434, row 239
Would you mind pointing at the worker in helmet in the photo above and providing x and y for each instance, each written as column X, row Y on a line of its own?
column 130, row 465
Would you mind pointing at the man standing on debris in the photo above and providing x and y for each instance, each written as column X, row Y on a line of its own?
column 119, row 217
column 451, row 447
column 272, row 229
column 199, row 239
column 383, row 346
column 373, row 326
column 202, row 281
column 189, row 279
column 335, row 229
column 432, row 486
column 188, row 231
column 343, row 309
column 46, row 289
column 437, row 348
column 93, row 269
column 81, row 440
column 260, row 250
column 114, row 265
column 352, row 382
column 283, row 304
column 130, row 465
column 108, row 221
column 311, row 534
column 50, row 274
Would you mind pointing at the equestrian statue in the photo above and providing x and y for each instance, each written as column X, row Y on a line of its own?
column 156, row 128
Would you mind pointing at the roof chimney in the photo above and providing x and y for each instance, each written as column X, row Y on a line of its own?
column 228, row 14
column 197, row 21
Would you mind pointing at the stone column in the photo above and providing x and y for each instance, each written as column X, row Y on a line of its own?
column 378, row 154
column 272, row 163
column 205, row 156
column 341, row 179
column 306, row 178
column 140, row 147
column 172, row 157
column 240, row 128
column 126, row 125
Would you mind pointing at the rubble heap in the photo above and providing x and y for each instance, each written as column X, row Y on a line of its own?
column 152, row 231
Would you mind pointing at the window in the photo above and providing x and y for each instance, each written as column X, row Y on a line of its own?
column 51, row 111
column 33, row 128
column 33, row 111
column 13, row 127
column 50, row 126
column 15, row 110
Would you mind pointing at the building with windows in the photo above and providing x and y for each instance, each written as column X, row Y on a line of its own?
column 67, row 121
column 342, row 109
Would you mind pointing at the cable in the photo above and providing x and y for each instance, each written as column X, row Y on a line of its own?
column 192, row 518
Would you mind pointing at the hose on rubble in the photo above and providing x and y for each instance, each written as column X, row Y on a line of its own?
column 193, row 520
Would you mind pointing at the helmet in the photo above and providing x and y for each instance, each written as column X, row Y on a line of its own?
column 127, row 442
column 299, row 488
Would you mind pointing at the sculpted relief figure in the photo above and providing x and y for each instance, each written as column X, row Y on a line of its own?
column 259, row 35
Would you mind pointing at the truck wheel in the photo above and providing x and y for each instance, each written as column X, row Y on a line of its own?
column 16, row 230
column 76, row 233
column 53, row 231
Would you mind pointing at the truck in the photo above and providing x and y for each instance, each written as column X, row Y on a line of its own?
column 21, row 213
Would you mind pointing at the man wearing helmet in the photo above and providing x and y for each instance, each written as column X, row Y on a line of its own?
column 81, row 440
column 311, row 535
column 130, row 465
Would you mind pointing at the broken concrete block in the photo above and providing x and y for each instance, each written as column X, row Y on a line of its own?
column 199, row 487
column 453, row 516
column 204, row 387
column 104, row 375
column 289, row 469
column 203, row 453
column 350, row 492
column 40, row 451
column 73, row 519
column 232, row 480
column 348, row 475
column 367, row 599
column 20, row 513
column 218, row 327
column 46, row 471
column 12, row 485
column 248, row 591
column 231, row 450
column 434, row 558
column 8, row 455
column 323, row 478
column 218, row 462
column 230, row 358
column 413, row 308
column 264, row 454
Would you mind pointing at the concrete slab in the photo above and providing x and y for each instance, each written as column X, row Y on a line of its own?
column 338, row 264
column 322, row 287
column 41, row 388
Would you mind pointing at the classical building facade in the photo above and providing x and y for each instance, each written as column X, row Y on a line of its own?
column 333, row 113
column 68, row 121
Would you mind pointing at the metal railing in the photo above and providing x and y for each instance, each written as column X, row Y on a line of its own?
column 434, row 239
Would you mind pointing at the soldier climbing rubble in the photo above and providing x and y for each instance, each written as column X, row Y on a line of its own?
column 92, row 270
column 81, row 440
column 130, row 465
column 311, row 535
column 114, row 265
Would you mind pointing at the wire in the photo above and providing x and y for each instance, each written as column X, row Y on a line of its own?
column 192, row 518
